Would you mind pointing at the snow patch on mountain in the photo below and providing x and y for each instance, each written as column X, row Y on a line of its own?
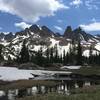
column 53, row 42
column 97, row 46
column 61, row 49
column 37, row 48
column 4, row 43
column 86, row 53
column 37, row 37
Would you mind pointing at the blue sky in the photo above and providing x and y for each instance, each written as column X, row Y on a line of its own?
column 16, row 15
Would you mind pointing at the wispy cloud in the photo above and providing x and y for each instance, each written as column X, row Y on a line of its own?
column 31, row 10
column 91, row 4
column 95, row 26
column 58, row 28
column 76, row 3
column 22, row 25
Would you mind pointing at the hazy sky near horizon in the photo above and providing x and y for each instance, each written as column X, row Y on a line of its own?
column 16, row 15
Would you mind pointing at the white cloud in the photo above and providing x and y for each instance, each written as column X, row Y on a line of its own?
column 58, row 28
column 6, row 33
column 91, row 4
column 76, row 3
column 31, row 10
column 95, row 26
column 22, row 25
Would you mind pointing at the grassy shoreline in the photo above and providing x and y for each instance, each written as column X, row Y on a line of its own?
column 85, row 96
column 86, row 93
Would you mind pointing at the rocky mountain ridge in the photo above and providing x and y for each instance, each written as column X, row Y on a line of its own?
column 37, row 37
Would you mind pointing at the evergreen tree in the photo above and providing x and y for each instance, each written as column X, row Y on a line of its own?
column 99, row 59
column 52, row 55
column 67, row 58
column 72, row 54
column 56, row 57
column 33, row 58
column 47, row 55
column 90, row 55
column 24, row 54
column 1, row 57
column 79, row 55
column 64, row 57
column 60, row 59
column 96, row 59
column 40, row 60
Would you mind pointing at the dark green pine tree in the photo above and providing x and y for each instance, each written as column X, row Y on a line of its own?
column 52, row 55
column 47, row 55
column 90, row 55
column 40, row 60
column 64, row 58
column 67, row 58
column 1, row 57
column 33, row 59
column 72, row 55
column 24, row 54
column 56, row 57
column 79, row 55
column 96, row 59
column 60, row 59
column 99, row 59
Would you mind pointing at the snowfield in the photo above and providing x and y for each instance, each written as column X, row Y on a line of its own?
column 98, row 46
column 2, row 93
column 71, row 67
column 12, row 73
column 86, row 53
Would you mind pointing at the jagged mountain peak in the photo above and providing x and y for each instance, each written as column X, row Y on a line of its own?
column 47, row 32
column 45, row 28
column 9, row 36
column 81, row 35
column 79, row 29
column 6, row 36
column 34, row 28
column 78, row 34
column 68, row 32
column 43, row 31
column 37, row 37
